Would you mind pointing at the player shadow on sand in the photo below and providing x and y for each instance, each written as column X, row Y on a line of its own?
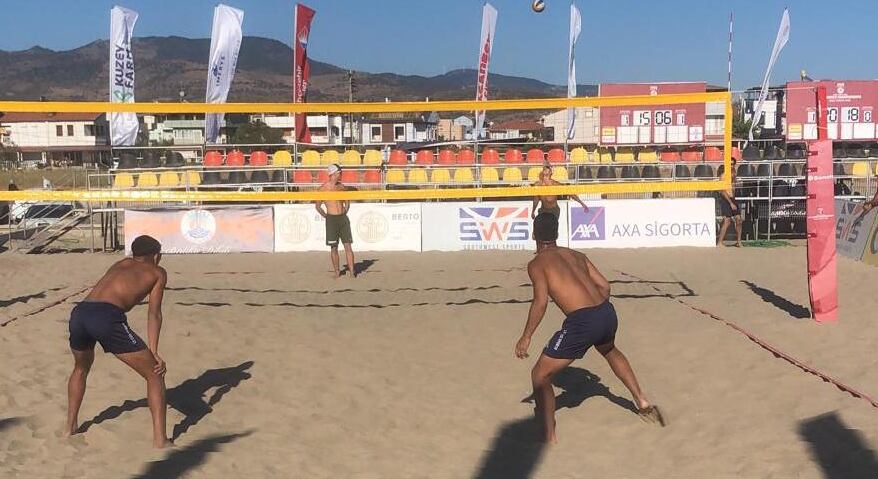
column 184, row 459
column 189, row 398
column 516, row 449
column 795, row 310
column 26, row 298
column 841, row 452
column 9, row 422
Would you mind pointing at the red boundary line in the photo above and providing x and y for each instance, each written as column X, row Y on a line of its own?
column 768, row 347
column 43, row 308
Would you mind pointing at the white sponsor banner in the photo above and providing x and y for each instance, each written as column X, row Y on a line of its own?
column 503, row 225
column 123, row 126
column 486, row 44
column 225, row 42
column 643, row 223
column 783, row 36
column 575, row 29
column 374, row 227
column 852, row 228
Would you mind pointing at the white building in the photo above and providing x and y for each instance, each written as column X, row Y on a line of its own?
column 329, row 129
column 586, row 129
column 399, row 127
column 177, row 129
column 59, row 138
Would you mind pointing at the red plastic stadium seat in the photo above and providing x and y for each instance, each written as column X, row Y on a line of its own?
column 372, row 176
column 322, row 176
column 669, row 156
column 466, row 157
column 535, row 155
column 490, row 156
column 513, row 156
column 691, row 155
column 736, row 153
column 424, row 157
column 302, row 176
column 557, row 155
column 259, row 158
column 398, row 158
column 350, row 176
column 446, row 157
column 235, row 158
column 213, row 158
column 712, row 153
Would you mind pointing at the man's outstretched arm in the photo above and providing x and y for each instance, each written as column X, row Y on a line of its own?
column 537, row 308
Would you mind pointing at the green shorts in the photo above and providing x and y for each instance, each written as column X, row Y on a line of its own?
column 338, row 227
column 556, row 211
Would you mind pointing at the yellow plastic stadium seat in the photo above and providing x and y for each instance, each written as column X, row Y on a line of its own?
column 417, row 175
column 147, row 180
column 395, row 176
column 559, row 173
column 463, row 175
column 329, row 157
column 533, row 173
column 490, row 175
column 350, row 158
column 605, row 156
column 876, row 169
column 440, row 176
column 310, row 158
column 282, row 158
column 624, row 156
column 647, row 156
column 372, row 158
column 579, row 156
column 193, row 178
column 169, row 179
column 512, row 175
column 123, row 180
column 861, row 168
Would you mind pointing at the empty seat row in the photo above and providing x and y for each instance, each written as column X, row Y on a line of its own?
column 151, row 159
column 487, row 174
column 165, row 179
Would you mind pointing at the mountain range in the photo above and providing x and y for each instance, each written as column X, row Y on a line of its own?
column 168, row 65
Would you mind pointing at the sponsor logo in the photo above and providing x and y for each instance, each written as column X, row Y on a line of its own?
column 653, row 90
column 198, row 226
column 295, row 227
column 839, row 88
column 659, row 229
column 303, row 37
column 588, row 225
column 123, row 73
column 494, row 224
column 216, row 70
column 373, row 227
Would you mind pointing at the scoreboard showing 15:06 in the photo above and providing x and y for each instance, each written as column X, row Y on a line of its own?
column 849, row 112
column 661, row 124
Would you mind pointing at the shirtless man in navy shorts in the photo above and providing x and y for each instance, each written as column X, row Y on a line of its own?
column 583, row 294
column 100, row 318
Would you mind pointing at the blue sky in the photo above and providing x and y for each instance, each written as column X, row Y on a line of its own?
column 622, row 40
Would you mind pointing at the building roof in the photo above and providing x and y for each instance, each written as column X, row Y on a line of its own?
column 31, row 117
column 521, row 125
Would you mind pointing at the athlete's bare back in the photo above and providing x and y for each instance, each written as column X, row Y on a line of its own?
column 573, row 282
column 127, row 283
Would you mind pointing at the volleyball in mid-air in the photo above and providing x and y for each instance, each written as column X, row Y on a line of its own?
column 538, row 6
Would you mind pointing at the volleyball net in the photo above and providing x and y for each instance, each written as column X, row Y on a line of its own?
column 647, row 145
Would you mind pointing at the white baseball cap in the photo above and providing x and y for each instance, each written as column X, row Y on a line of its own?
column 333, row 169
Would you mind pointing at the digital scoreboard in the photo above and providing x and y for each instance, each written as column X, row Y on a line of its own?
column 655, row 124
column 850, row 109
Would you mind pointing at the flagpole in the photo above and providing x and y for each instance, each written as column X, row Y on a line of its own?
column 731, row 23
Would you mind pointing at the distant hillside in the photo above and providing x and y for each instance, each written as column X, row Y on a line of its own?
column 167, row 64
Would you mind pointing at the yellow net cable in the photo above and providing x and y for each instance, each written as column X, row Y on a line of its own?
column 598, row 187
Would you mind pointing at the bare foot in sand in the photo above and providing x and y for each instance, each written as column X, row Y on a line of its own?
column 167, row 443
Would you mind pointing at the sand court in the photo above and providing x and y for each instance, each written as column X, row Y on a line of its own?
column 276, row 370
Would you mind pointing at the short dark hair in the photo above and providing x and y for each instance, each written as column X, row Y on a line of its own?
column 545, row 227
column 145, row 245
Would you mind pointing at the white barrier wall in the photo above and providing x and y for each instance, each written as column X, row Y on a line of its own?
column 643, row 223
column 374, row 226
column 481, row 226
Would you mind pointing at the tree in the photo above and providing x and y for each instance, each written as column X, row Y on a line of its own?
column 257, row 133
column 741, row 127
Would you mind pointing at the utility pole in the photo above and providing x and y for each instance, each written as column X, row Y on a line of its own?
column 351, row 87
